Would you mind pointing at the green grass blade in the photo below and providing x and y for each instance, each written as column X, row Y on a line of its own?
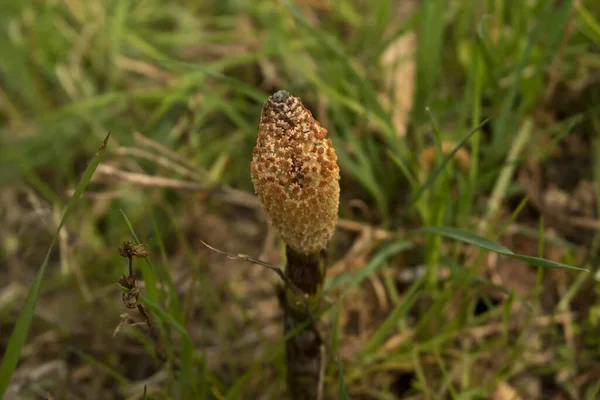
column 503, row 125
column 445, row 162
column 343, row 394
column 85, row 179
column 21, row 329
column 102, row 367
column 173, row 316
column 354, row 278
column 428, row 54
column 400, row 311
column 486, row 54
column 164, row 316
column 242, row 87
column 148, row 273
column 236, row 390
column 471, row 238
column 588, row 24
column 119, row 25
column 370, row 102
column 467, row 237
column 403, row 166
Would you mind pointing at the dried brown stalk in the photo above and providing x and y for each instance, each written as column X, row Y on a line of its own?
column 131, row 295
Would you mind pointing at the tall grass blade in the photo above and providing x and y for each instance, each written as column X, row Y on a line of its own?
column 400, row 311
column 164, row 316
column 21, row 329
column 352, row 279
column 445, row 162
column 148, row 273
column 343, row 394
column 471, row 238
column 242, row 87
column 588, row 24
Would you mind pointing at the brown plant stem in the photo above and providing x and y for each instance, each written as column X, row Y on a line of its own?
column 305, row 350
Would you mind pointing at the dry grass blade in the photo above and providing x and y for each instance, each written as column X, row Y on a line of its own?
column 399, row 68
column 279, row 271
column 162, row 149
column 252, row 260
column 226, row 193
column 158, row 160
column 109, row 171
column 144, row 68
column 505, row 392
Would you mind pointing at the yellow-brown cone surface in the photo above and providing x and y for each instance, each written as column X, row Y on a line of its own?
column 295, row 174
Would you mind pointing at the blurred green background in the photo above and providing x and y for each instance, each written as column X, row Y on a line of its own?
column 480, row 115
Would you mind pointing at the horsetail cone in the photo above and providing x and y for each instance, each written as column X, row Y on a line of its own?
column 295, row 174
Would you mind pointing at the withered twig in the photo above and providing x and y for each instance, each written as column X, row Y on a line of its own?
column 162, row 149
column 158, row 160
column 149, row 180
column 279, row 271
column 131, row 297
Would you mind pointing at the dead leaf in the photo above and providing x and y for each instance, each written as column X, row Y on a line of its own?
column 429, row 154
column 399, row 68
column 505, row 392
